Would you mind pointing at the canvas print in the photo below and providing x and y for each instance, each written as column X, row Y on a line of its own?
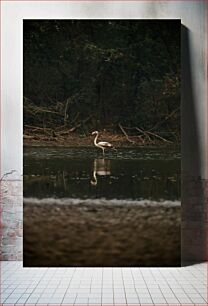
column 102, row 143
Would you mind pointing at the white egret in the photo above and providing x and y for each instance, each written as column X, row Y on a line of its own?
column 102, row 144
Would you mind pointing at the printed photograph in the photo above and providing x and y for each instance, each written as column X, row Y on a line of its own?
column 102, row 143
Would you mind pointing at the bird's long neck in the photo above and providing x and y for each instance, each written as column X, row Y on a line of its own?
column 95, row 140
column 95, row 176
column 94, row 181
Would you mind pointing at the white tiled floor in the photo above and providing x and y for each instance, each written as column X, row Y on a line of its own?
column 106, row 286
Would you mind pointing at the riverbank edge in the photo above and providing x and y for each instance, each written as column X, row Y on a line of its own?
column 88, row 142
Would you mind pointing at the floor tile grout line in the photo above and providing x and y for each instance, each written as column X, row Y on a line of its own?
column 184, row 291
column 159, row 287
column 123, row 284
column 69, row 285
column 122, row 276
column 38, row 281
column 147, row 287
column 135, row 287
column 169, row 285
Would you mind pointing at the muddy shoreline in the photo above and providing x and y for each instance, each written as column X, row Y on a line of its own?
column 87, row 234
column 72, row 140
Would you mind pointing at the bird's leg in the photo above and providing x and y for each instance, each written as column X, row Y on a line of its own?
column 115, row 150
column 103, row 152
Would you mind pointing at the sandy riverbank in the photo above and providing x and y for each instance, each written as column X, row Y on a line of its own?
column 101, row 233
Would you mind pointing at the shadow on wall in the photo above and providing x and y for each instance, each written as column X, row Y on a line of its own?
column 193, row 218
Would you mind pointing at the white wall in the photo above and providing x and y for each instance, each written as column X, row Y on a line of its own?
column 194, row 102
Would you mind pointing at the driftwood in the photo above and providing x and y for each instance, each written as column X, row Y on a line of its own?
column 60, row 128
column 27, row 136
column 36, row 127
column 124, row 132
column 148, row 133
column 143, row 132
column 159, row 137
column 65, row 111
column 50, row 134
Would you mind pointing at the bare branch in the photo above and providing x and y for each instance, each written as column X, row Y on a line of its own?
column 124, row 132
column 166, row 118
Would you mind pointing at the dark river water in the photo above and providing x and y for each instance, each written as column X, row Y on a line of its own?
column 148, row 173
column 82, row 210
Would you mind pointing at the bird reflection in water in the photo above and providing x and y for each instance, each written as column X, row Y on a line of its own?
column 101, row 167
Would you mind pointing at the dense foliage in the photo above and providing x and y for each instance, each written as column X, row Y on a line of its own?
column 95, row 74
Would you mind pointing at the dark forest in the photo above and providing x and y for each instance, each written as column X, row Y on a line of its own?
column 116, row 76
